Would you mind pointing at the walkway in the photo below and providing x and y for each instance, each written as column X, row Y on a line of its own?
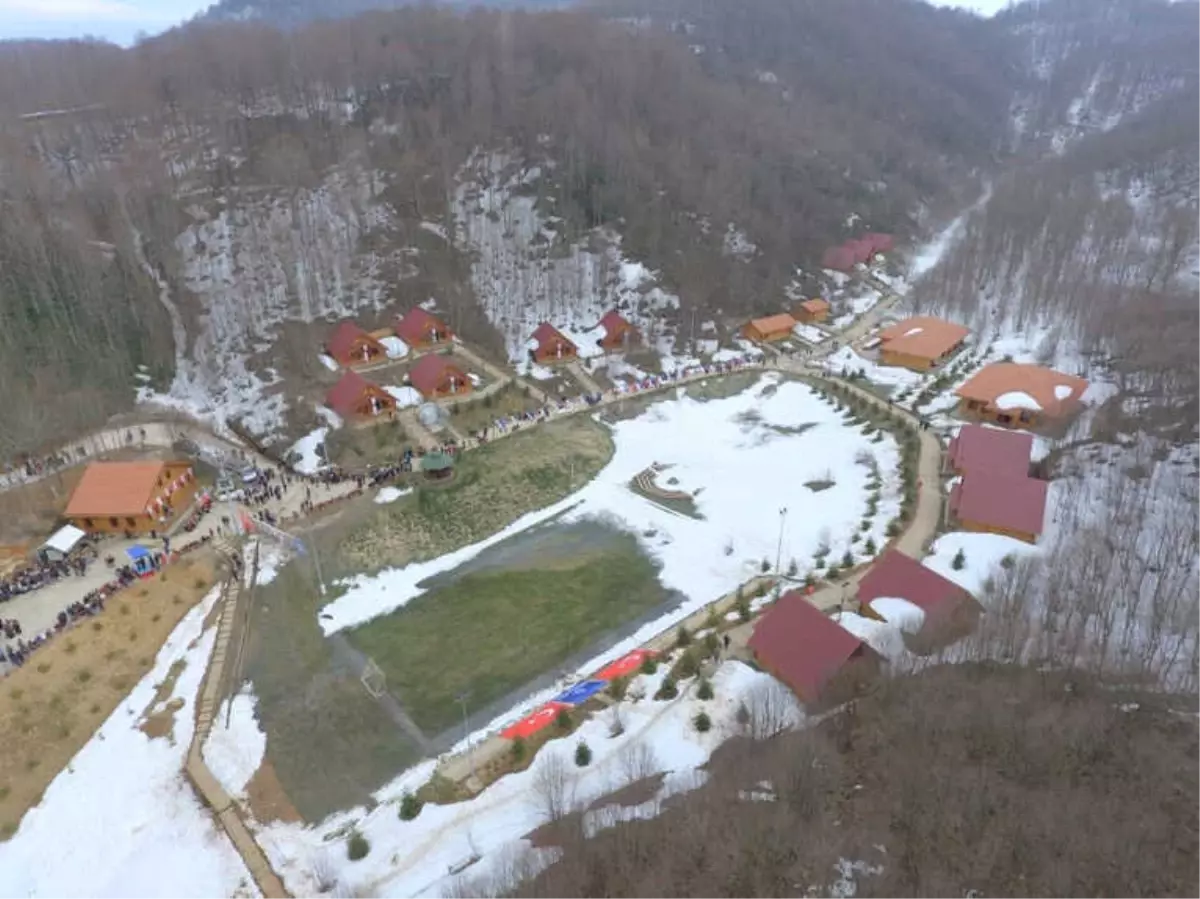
column 206, row 785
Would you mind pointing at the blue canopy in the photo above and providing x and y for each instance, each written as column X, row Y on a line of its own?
column 137, row 552
column 581, row 692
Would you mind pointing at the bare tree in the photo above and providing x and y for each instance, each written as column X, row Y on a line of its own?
column 553, row 787
column 771, row 708
column 638, row 762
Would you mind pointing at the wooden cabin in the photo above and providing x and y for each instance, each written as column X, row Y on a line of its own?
column 920, row 343
column 1015, row 395
column 811, row 312
column 133, row 497
column 355, row 398
column 437, row 376
column 769, row 329
column 422, row 330
column 619, row 334
column 352, row 347
column 549, row 345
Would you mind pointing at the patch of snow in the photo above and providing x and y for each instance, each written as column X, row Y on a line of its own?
column 540, row 372
column 329, row 362
column 884, row 637
column 1062, row 391
column 845, row 362
column 982, row 554
column 1017, row 399
column 435, row 228
column 234, row 752
column 122, row 819
column 931, row 253
column 391, row 494
column 310, row 461
column 900, row 612
column 396, row 348
column 864, row 302
column 405, row 396
column 810, row 333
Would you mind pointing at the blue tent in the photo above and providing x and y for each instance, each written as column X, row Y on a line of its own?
column 141, row 558
column 580, row 693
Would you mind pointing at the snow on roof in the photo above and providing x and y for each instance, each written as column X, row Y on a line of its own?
column 405, row 396
column 64, row 539
column 1017, row 399
column 994, row 381
column 900, row 612
column 1062, row 391
column 912, row 331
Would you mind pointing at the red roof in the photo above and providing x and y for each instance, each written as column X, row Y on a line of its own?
column 427, row 374
column 546, row 332
column 613, row 323
column 1015, row 504
column 801, row 644
column 413, row 327
column 838, row 258
column 343, row 339
column 896, row 575
column 346, row 392
column 879, row 243
column 991, row 450
column 861, row 250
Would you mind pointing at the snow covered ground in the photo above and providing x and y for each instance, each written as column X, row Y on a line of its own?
column 521, row 283
column 982, row 555
column 122, row 820
column 391, row 494
column 845, row 361
column 713, row 447
column 235, row 746
column 413, row 858
column 396, row 348
column 405, row 396
column 810, row 333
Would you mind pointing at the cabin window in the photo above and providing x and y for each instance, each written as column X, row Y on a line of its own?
column 1026, row 416
column 87, row 522
column 112, row 522
column 1004, row 419
column 130, row 522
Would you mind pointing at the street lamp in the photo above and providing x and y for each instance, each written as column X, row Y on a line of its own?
column 779, row 546
column 462, row 700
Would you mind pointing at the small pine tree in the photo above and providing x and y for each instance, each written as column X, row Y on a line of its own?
column 704, row 690
column 583, row 754
column 742, row 715
column 712, row 644
column 617, row 687
column 960, row 560
column 743, row 609
column 357, row 846
column 687, row 666
column 518, row 750
column 683, row 637
column 702, row 722
column 410, row 807
column 847, row 559
column 713, row 620
column 667, row 690
column 649, row 665
column 869, row 546
column 765, row 565
column 793, row 568
column 563, row 720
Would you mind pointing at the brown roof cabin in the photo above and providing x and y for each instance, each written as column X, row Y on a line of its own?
column 551, row 345
column 821, row 661
column 771, row 328
column 1021, row 396
column 920, row 343
column 138, row 497
column 811, row 311
column 421, row 330
column 950, row 611
column 355, row 398
column 998, row 504
column 437, row 376
column 978, row 448
column 350, row 346
column 618, row 333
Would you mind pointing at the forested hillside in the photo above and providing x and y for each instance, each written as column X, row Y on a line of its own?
column 276, row 179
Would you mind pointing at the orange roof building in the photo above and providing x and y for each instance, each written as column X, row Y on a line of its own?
column 132, row 497
column 771, row 328
column 811, row 311
column 921, row 342
column 1021, row 396
column 548, row 344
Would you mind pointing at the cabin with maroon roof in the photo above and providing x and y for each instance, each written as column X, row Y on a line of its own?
column 350, row 346
column 999, row 504
column 548, row 344
column 355, row 398
column 619, row 334
column 821, row 661
column 421, row 329
column 982, row 449
column 437, row 376
column 950, row 611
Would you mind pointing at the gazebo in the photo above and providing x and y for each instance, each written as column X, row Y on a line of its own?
column 437, row 466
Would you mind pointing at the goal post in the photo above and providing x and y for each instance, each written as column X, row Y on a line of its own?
column 373, row 679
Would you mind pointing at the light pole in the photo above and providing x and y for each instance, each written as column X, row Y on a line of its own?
column 462, row 700
column 779, row 546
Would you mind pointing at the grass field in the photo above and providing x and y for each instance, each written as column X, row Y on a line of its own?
column 481, row 412
column 491, row 632
column 53, row 704
column 357, row 447
column 328, row 742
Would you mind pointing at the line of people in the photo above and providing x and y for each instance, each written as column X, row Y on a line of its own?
column 42, row 573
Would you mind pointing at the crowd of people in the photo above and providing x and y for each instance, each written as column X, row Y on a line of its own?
column 41, row 573
column 92, row 603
